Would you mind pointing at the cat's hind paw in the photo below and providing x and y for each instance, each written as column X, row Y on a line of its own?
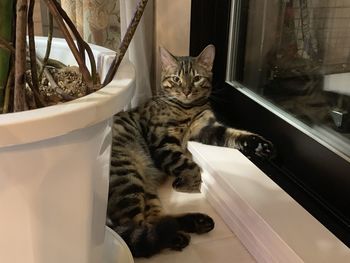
column 196, row 223
column 180, row 241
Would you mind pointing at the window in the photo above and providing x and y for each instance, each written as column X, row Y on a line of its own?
column 297, row 58
column 282, row 69
column 293, row 58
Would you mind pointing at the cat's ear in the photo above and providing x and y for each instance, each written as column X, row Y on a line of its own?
column 167, row 59
column 206, row 57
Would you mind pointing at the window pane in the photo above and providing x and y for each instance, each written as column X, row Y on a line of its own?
column 297, row 55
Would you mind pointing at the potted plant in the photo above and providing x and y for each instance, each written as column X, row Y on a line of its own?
column 55, row 159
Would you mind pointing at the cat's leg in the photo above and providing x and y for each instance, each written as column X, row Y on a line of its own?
column 208, row 130
column 171, row 231
column 170, row 157
column 133, row 190
column 128, row 172
column 136, row 212
column 150, row 238
column 126, row 201
column 189, row 223
column 187, row 175
column 248, row 143
column 153, row 208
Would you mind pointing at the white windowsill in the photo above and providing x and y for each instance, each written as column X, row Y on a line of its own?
column 272, row 225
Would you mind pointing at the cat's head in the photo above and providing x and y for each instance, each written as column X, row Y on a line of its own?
column 187, row 79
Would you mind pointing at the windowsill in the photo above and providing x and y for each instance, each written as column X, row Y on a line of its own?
column 272, row 225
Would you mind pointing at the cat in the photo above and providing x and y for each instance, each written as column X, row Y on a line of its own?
column 149, row 145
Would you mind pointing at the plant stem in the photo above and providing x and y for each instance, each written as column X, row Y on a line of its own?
column 72, row 27
column 20, row 56
column 9, row 84
column 6, row 22
column 125, row 42
column 32, row 54
column 48, row 45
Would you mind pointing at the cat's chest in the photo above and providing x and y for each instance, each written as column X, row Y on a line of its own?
column 178, row 126
column 182, row 124
column 171, row 123
column 171, row 120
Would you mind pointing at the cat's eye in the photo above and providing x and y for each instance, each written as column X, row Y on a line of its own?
column 196, row 78
column 175, row 79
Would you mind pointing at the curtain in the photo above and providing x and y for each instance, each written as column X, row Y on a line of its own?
column 305, row 29
column 140, row 51
column 98, row 21
column 103, row 22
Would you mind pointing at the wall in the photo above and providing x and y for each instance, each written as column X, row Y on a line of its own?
column 172, row 23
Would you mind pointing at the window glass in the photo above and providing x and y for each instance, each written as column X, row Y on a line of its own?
column 297, row 56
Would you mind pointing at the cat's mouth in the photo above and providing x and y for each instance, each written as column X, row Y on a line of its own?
column 194, row 100
column 188, row 102
column 188, row 98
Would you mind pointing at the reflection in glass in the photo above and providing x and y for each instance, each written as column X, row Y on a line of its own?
column 297, row 55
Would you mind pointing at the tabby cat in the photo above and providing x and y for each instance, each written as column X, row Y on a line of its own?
column 149, row 145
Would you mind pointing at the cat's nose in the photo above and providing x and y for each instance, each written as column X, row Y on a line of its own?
column 186, row 92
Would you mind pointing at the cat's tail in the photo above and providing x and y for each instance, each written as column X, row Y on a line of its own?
column 149, row 238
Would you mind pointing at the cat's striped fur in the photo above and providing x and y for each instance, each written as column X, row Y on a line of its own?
column 149, row 144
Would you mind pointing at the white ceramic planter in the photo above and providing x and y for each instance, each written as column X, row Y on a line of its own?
column 115, row 249
column 54, row 166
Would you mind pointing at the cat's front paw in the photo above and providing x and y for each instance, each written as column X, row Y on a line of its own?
column 253, row 144
column 187, row 183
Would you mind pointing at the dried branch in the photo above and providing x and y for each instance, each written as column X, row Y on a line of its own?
column 9, row 84
column 55, row 63
column 32, row 54
column 125, row 42
column 72, row 27
column 48, row 45
column 20, row 56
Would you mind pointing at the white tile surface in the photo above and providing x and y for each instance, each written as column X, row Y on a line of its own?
column 273, row 226
column 220, row 245
column 222, row 250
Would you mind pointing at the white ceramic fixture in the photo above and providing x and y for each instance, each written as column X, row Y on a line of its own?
column 54, row 167
column 115, row 249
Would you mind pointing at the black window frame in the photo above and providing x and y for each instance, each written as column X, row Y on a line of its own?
column 315, row 176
